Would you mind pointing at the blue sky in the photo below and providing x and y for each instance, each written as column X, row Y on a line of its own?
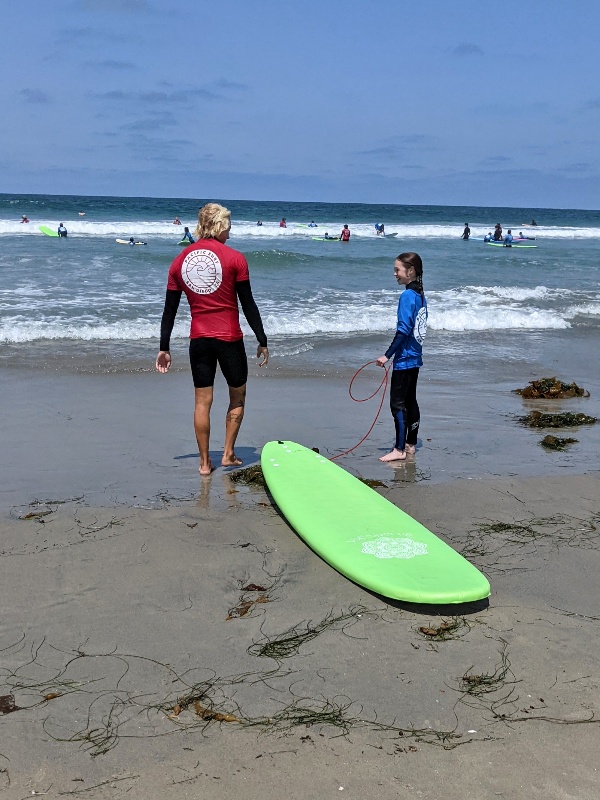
column 473, row 103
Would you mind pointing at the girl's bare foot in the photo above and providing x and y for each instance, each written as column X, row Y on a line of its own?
column 395, row 455
column 410, row 449
column 231, row 461
column 206, row 469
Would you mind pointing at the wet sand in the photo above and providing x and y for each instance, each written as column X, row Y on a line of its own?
column 116, row 645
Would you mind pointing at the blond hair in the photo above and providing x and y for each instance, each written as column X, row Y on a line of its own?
column 213, row 220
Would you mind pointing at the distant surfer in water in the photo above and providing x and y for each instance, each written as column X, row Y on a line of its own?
column 498, row 232
column 345, row 234
column 187, row 235
column 406, row 350
column 62, row 231
column 24, row 218
column 489, row 237
column 380, row 228
column 283, row 223
column 466, row 233
column 214, row 278
column 176, row 221
column 508, row 239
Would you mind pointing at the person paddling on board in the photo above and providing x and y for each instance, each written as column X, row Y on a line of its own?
column 62, row 231
column 214, row 278
column 526, row 237
column 489, row 237
column 327, row 236
column 345, row 234
column 187, row 236
column 508, row 239
column 407, row 352
column 312, row 224
column 466, row 233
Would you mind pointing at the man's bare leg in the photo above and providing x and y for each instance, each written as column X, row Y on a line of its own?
column 233, row 421
column 203, row 403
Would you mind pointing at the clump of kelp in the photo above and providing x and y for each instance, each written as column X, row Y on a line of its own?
column 551, row 389
column 557, row 443
column 250, row 476
column 452, row 628
column 566, row 419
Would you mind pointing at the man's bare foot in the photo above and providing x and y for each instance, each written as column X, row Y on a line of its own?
column 410, row 449
column 206, row 469
column 395, row 455
column 231, row 461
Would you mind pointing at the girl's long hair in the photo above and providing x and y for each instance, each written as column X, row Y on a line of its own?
column 413, row 260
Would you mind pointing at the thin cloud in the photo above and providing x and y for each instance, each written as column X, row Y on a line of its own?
column 398, row 145
column 466, row 50
column 592, row 105
column 34, row 96
column 114, row 6
column 577, row 166
column 495, row 160
column 120, row 66
column 159, row 99
column 154, row 123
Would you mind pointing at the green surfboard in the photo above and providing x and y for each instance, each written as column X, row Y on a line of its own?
column 48, row 231
column 364, row 536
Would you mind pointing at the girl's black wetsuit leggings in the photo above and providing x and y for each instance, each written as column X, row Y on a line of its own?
column 404, row 406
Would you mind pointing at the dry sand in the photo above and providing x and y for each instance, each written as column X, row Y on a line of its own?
column 115, row 642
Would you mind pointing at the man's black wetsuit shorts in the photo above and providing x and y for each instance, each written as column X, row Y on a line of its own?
column 206, row 353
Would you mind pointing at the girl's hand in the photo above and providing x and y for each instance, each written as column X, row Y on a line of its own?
column 382, row 361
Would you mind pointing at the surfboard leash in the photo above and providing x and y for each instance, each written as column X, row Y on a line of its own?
column 383, row 384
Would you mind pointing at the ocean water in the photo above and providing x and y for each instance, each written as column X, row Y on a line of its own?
column 88, row 303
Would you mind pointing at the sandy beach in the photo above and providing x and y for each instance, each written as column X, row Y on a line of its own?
column 139, row 602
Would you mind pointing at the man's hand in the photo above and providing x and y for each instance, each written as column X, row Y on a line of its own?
column 163, row 361
column 264, row 353
column 382, row 361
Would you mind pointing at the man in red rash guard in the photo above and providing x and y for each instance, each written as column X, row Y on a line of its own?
column 214, row 277
column 345, row 234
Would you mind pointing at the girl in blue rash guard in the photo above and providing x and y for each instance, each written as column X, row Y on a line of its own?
column 406, row 350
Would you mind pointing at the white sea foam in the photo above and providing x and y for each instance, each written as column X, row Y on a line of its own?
column 472, row 308
column 271, row 230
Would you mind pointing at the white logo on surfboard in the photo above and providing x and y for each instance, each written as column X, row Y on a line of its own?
column 202, row 272
column 392, row 547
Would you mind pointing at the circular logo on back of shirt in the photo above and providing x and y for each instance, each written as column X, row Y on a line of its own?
column 421, row 325
column 202, row 272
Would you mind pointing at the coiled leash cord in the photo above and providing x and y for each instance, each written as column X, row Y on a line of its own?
column 383, row 384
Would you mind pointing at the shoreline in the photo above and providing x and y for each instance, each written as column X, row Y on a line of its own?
column 125, row 438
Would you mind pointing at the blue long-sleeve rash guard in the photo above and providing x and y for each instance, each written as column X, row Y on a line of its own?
column 407, row 347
